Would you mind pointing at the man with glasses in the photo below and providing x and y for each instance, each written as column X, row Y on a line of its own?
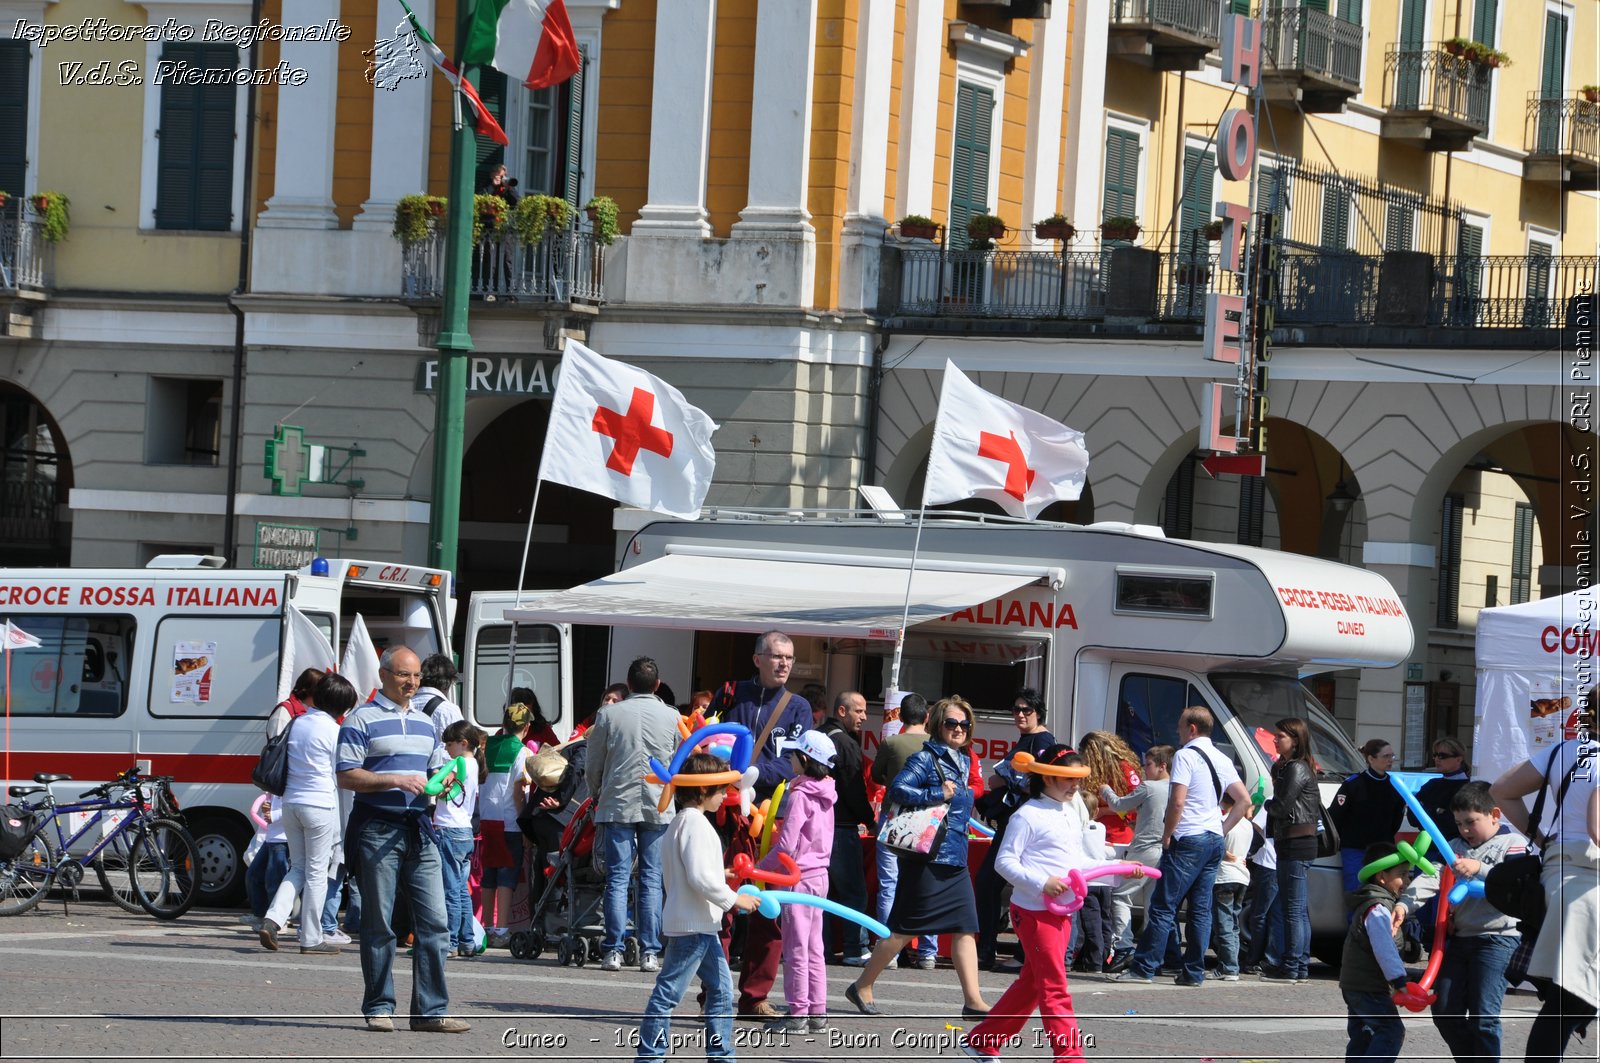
column 386, row 752
column 1008, row 789
column 773, row 715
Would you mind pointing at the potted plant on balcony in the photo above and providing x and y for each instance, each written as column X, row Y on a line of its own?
column 918, row 227
column 489, row 215
column 1055, row 227
column 1493, row 57
column 986, row 227
column 1213, row 230
column 1458, row 45
column 602, row 211
column 1119, row 227
column 536, row 214
column 52, row 208
column 1590, row 93
column 417, row 216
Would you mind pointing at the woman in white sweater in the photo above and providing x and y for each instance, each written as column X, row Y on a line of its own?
column 1044, row 840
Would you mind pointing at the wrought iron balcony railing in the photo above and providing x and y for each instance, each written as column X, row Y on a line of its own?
column 1315, row 42
column 565, row 266
column 1562, row 126
column 24, row 254
column 1431, row 80
column 1196, row 18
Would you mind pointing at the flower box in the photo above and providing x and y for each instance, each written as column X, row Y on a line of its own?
column 1054, row 230
column 919, row 230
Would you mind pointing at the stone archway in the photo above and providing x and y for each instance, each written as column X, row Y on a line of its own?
column 35, row 480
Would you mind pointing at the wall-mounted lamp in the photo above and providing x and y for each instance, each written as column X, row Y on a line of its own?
column 1343, row 496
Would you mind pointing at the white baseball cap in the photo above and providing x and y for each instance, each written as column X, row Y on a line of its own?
column 814, row 744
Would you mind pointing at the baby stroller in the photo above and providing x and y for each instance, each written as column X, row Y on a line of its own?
column 568, row 914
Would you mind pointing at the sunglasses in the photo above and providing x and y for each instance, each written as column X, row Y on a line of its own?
column 957, row 725
column 1442, row 755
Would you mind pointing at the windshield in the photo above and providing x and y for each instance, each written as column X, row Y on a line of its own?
column 1260, row 701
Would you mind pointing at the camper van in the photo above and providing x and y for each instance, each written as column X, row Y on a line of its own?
column 177, row 667
column 1120, row 627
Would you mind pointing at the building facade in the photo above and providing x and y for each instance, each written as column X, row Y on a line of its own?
column 232, row 267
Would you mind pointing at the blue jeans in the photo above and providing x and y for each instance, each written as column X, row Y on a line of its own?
column 847, row 884
column 1374, row 1027
column 888, row 879
column 622, row 842
column 1296, row 919
column 261, row 878
column 1226, row 902
column 686, row 956
column 1264, row 921
column 455, row 861
column 1471, row 986
column 1188, row 870
column 330, row 904
column 1351, row 861
column 389, row 854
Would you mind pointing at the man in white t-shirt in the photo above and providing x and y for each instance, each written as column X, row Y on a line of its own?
column 1192, row 841
column 433, row 698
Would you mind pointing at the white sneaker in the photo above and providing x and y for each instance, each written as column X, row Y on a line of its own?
column 612, row 961
column 650, row 963
column 858, row 961
column 894, row 964
column 338, row 937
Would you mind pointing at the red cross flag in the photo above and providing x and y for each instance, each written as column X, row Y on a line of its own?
column 618, row 431
column 986, row 447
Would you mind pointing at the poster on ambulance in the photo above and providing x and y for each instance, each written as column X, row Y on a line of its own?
column 191, row 671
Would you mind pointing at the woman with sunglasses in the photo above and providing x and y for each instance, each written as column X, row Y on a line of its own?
column 934, row 896
column 1435, row 795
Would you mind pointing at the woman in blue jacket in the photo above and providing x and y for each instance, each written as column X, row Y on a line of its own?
column 934, row 896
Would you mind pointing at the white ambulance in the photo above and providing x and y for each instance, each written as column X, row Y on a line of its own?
column 1118, row 626
column 177, row 666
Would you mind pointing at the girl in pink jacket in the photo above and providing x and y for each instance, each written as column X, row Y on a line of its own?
column 807, row 836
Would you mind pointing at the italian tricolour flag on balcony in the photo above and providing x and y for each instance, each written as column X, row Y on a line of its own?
column 530, row 40
column 483, row 120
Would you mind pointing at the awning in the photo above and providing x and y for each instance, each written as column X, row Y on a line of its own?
column 722, row 593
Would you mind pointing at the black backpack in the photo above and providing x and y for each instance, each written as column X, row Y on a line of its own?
column 271, row 772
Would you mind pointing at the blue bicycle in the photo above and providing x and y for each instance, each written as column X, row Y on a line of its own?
column 142, row 839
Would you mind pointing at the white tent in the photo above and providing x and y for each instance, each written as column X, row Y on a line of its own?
column 1535, row 663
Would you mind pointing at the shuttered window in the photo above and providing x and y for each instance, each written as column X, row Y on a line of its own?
column 969, row 171
column 1553, row 72
column 1198, row 207
column 1399, row 226
column 1536, row 309
column 1335, row 216
column 1252, row 509
column 1122, row 175
column 194, row 181
column 540, row 143
column 14, row 117
column 1483, row 19
column 1239, row 7
column 1450, row 560
column 1177, row 511
column 572, row 151
column 1522, row 554
column 1469, row 275
column 1350, row 11
column 492, row 90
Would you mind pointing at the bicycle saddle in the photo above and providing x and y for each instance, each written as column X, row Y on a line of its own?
column 47, row 779
column 25, row 789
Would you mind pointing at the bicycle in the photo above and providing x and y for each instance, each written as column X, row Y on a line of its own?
column 155, row 850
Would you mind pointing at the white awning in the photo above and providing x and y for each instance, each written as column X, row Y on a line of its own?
column 723, row 593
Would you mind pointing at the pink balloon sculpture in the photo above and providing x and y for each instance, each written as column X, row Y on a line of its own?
column 1078, row 884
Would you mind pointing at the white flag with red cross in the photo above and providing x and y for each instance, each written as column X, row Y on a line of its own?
column 17, row 639
column 987, row 447
column 618, row 431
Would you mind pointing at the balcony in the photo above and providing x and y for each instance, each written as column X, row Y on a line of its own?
column 1312, row 58
column 1164, row 34
column 1028, row 291
column 563, row 268
column 1437, row 100
column 24, row 254
column 1562, row 139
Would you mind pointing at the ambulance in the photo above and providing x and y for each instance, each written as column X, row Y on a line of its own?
column 176, row 667
column 1118, row 626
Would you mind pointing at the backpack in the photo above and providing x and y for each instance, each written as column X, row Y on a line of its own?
column 16, row 827
column 271, row 772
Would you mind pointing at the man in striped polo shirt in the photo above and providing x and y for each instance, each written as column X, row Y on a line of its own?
column 386, row 752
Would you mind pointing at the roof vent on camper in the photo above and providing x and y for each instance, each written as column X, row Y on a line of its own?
column 1149, row 531
column 186, row 561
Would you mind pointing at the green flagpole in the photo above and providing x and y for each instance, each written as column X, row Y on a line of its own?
column 455, row 342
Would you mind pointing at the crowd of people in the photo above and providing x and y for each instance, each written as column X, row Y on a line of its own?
column 356, row 823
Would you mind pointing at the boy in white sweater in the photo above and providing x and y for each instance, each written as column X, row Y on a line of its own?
column 697, row 893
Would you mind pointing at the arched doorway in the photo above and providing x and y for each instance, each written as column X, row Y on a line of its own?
column 35, row 478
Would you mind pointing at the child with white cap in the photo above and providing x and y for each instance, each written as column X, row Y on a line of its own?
column 806, row 835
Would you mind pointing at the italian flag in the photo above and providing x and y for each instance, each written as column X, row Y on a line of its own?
column 483, row 121
column 530, row 40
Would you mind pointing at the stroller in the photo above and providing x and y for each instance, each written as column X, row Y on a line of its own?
column 568, row 914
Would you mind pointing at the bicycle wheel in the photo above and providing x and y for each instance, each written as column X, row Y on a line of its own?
column 111, row 868
column 26, row 877
column 163, row 870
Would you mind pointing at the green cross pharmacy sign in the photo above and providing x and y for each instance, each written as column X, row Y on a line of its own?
column 291, row 462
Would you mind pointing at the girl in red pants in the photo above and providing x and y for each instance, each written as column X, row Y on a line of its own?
column 1043, row 841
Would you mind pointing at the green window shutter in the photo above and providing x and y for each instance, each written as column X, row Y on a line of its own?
column 1483, row 18
column 1449, row 599
column 1522, row 554
column 194, row 168
column 1398, row 226
column 14, row 60
column 1536, row 307
column 492, row 91
column 1413, row 24
column 1269, row 196
column 1122, row 175
column 1553, row 74
column 1350, row 11
column 1195, row 211
column 1335, row 217
column 1469, row 274
column 572, row 162
column 1239, row 7
column 1316, row 5
column 969, row 178
column 1177, row 516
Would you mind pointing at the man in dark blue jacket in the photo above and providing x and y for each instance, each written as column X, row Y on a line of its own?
column 754, row 703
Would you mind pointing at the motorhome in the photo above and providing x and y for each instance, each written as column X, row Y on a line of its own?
column 1120, row 627
column 177, row 667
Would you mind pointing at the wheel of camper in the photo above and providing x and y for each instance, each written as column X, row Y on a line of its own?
column 220, row 842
